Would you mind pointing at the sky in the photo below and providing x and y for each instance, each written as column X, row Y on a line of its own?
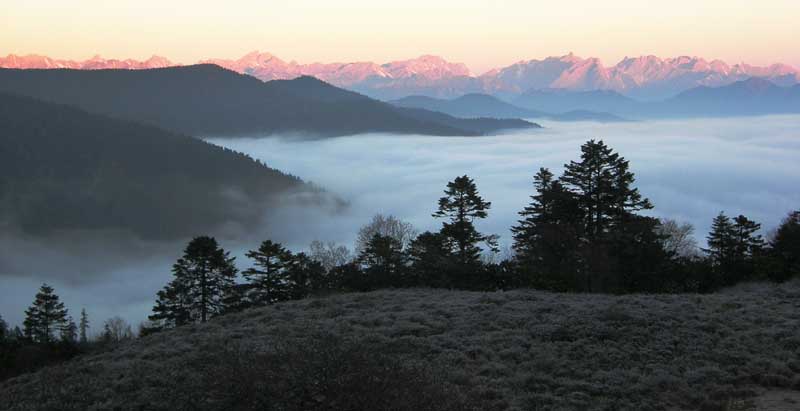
column 483, row 34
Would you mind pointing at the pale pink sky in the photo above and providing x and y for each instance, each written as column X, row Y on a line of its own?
column 482, row 34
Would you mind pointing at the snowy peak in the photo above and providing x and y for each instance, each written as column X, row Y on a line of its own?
column 646, row 77
column 427, row 66
column 33, row 61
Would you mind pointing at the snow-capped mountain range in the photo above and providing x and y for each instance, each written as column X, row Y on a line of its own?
column 646, row 77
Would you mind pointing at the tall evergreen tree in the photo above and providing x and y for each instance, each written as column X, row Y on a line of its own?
column 45, row 316
column 431, row 261
column 83, row 326
column 201, row 279
column 611, row 231
column 461, row 206
column 748, row 244
column 69, row 333
column 525, row 232
column 546, row 239
column 785, row 248
column 269, row 278
column 383, row 262
column 721, row 241
column 4, row 331
column 604, row 188
column 305, row 276
column 173, row 305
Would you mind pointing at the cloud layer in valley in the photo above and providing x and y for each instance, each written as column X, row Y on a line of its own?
column 691, row 170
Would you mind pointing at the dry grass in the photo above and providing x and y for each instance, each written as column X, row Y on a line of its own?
column 503, row 350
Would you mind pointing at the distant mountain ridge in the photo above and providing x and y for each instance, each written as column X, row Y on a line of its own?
column 483, row 105
column 753, row 96
column 35, row 61
column 207, row 100
column 644, row 77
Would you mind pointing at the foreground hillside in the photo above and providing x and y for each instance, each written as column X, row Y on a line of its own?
column 434, row 349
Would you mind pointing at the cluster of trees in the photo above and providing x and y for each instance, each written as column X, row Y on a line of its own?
column 50, row 335
column 581, row 232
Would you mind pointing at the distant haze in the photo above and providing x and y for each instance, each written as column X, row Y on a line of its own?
column 483, row 34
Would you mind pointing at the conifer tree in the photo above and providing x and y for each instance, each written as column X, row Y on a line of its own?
column 304, row 276
column 721, row 241
column 431, row 261
column 83, row 326
column 526, row 231
column 602, row 182
column 45, row 316
column 4, row 331
column 547, row 238
column 268, row 279
column 173, row 305
column 612, row 233
column 461, row 206
column 785, row 248
column 383, row 261
column 201, row 280
column 748, row 244
column 69, row 333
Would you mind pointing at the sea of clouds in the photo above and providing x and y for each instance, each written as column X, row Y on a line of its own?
column 691, row 170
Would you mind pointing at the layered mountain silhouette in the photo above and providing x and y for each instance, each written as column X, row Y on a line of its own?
column 62, row 168
column 207, row 100
column 561, row 100
column 483, row 105
column 753, row 96
column 644, row 77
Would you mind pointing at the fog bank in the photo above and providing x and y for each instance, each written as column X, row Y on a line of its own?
column 691, row 170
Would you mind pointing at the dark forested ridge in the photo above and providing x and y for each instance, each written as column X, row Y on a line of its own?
column 477, row 105
column 208, row 100
column 63, row 168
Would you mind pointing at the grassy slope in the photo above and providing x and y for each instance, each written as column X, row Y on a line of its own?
column 506, row 350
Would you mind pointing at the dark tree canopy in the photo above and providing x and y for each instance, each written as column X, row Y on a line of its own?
column 603, row 187
column 83, row 326
column 786, row 248
column 268, row 279
column 461, row 206
column 46, row 316
column 581, row 231
column 4, row 331
column 431, row 261
column 547, row 238
column 305, row 277
column 383, row 262
column 733, row 248
column 201, row 279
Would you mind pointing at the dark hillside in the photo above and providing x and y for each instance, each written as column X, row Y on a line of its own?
column 63, row 168
column 517, row 350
